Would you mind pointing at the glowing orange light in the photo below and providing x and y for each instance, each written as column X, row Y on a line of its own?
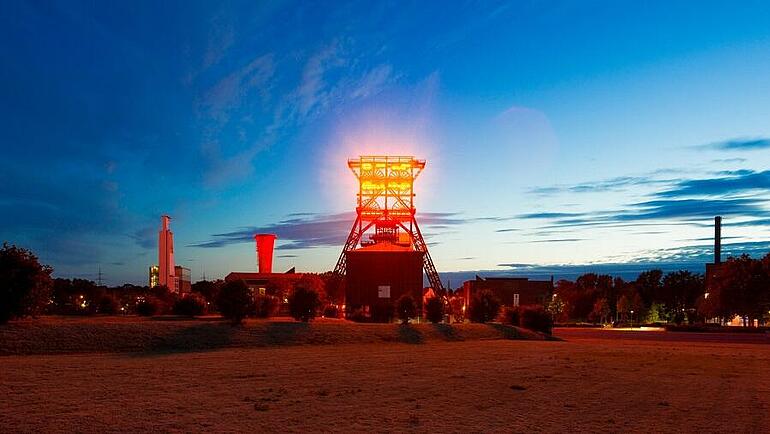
column 385, row 203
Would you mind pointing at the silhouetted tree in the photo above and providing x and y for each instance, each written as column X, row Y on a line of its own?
column 601, row 311
column 649, row 285
column 742, row 287
column 484, row 307
column 235, row 301
column 680, row 290
column 304, row 301
column 266, row 306
column 107, row 305
column 313, row 282
column 62, row 295
column 557, row 308
column 434, row 310
column 193, row 305
column 165, row 298
column 334, row 286
column 148, row 306
column 406, row 308
column 456, row 304
column 25, row 284
column 535, row 318
column 511, row 315
column 208, row 289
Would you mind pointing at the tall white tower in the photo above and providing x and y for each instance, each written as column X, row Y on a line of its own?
column 166, row 255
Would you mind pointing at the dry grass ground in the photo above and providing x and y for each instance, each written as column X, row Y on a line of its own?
column 476, row 385
column 66, row 335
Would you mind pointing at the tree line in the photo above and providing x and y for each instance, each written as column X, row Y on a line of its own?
column 740, row 286
column 28, row 289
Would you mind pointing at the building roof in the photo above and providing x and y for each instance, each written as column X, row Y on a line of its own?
column 238, row 275
column 386, row 247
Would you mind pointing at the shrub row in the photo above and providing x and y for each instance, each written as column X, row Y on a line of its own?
column 529, row 317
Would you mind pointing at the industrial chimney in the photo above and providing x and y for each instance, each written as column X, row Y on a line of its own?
column 718, row 239
column 265, row 243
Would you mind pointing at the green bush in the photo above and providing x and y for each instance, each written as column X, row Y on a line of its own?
column 234, row 301
column 536, row 318
column 484, row 307
column 434, row 310
column 192, row 305
column 511, row 315
column 303, row 303
column 406, row 308
column 265, row 306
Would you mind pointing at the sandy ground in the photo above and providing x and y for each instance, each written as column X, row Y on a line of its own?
column 587, row 384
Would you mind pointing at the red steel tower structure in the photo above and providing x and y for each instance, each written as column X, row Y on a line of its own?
column 386, row 203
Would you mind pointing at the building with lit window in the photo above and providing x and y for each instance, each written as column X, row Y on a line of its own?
column 153, row 276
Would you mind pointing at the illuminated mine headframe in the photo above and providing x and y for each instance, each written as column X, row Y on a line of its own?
column 386, row 203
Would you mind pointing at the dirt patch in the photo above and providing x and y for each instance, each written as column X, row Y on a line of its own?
column 469, row 386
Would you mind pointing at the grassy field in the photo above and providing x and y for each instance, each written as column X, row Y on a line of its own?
column 474, row 385
column 67, row 335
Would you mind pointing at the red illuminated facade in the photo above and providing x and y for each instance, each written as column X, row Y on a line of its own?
column 385, row 211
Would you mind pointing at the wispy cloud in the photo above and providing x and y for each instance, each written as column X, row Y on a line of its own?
column 548, row 215
column 612, row 184
column 146, row 237
column 739, row 145
column 669, row 211
column 516, row 265
column 302, row 231
column 737, row 193
column 227, row 94
column 557, row 240
column 312, row 91
column 735, row 182
column 728, row 160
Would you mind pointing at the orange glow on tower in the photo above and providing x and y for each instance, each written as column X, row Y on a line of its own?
column 166, row 255
column 385, row 202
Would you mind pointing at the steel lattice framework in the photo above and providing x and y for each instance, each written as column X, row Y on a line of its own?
column 386, row 202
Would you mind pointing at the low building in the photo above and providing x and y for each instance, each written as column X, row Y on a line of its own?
column 511, row 291
column 276, row 284
column 182, row 282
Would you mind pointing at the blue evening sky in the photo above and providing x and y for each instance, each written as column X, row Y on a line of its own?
column 566, row 135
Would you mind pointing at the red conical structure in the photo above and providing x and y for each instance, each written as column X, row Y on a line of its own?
column 265, row 243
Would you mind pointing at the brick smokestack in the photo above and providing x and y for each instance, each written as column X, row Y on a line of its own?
column 265, row 243
column 718, row 239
